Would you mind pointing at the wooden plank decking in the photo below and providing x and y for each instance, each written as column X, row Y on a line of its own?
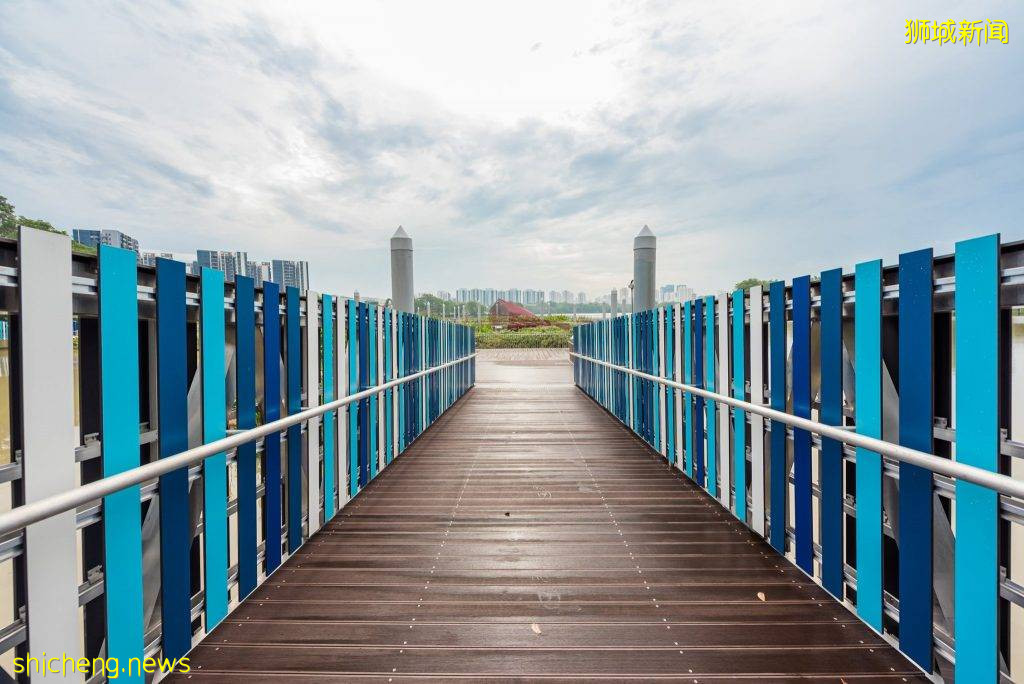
column 529, row 535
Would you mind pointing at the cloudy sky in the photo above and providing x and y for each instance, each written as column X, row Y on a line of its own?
column 521, row 144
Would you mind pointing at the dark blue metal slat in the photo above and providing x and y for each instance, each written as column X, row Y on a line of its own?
column 915, row 420
column 172, row 397
column 245, row 390
column 272, row 412
column 831, row 413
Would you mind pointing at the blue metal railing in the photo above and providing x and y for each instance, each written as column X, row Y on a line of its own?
column 847, row 368
column 157, row 332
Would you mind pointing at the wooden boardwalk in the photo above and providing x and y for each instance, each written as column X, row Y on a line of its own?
column 528, row 535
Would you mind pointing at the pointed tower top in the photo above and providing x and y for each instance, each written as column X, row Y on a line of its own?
column 401, row 240
column 645, row 239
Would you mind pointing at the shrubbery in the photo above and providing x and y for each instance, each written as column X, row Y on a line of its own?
column 546, row 337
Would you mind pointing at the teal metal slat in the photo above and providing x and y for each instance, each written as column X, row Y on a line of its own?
column 119, row 395
column 688, row 379
column 976, row 571
column 353, row 387
column 215, row 484
column 868, row 367
column 330, row 443
column 670, row 394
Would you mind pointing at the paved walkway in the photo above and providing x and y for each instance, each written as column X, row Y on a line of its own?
column 527, row 535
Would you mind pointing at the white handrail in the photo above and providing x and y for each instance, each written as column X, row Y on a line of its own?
column 64, row 501
column 1003, row 484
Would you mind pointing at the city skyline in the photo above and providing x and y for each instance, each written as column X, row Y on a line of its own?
column 670, row 292
column 284, row 272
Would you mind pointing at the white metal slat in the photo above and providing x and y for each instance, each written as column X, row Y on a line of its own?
column 756, row 420
column 47, row 367
column 722, row 383
column 313, row 399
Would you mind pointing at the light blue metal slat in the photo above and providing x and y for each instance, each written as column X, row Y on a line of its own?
column 688, row 379
column 330, row 443
column 976, row 571
column 739, row 415
column 868, row 367
column 119, row 394
column 670, row 394
column 352, row 318
column 656, row 390
column 215, row 480
column 371, row 322
column 698, row 376
column 403, row 357
column 386, row 397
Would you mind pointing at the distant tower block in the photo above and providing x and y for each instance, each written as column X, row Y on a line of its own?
column 645, row 251
column 614, row 303
column 402, row 297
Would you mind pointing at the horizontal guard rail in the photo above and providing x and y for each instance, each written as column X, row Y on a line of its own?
column 994, row 481
column 27, row 514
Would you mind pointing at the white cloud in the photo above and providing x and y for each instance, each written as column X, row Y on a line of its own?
column 520, row 144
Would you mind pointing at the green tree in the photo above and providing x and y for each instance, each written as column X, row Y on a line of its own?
column 9, row 222
column 8, row 219
column 748, row 283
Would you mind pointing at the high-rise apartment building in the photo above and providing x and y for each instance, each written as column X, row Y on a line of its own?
column 149, row 258
column 114, row 238
column 291, row 273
